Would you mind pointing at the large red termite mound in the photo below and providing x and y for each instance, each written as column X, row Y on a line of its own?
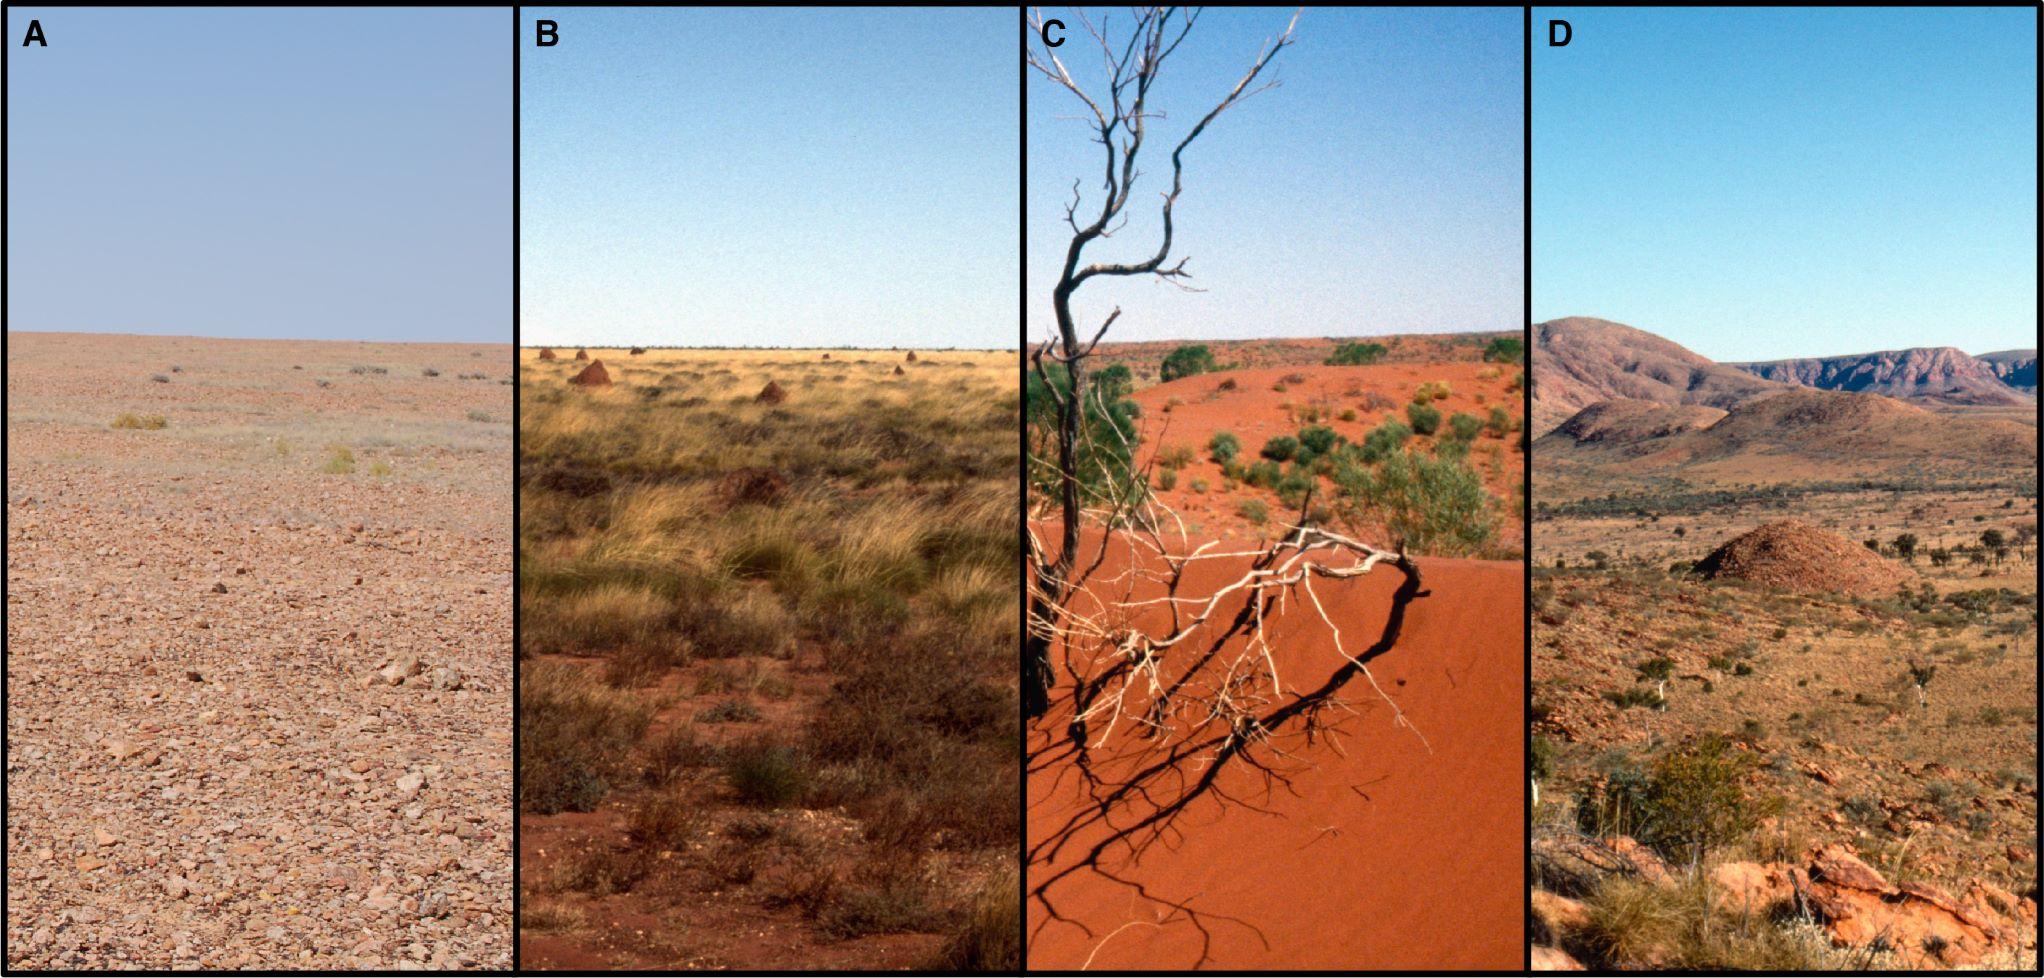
column 592, row 376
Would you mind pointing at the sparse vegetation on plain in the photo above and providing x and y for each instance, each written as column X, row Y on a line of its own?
column 780, row 607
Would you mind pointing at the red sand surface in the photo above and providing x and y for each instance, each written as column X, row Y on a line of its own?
column 1188, row 412
column 1385, row 852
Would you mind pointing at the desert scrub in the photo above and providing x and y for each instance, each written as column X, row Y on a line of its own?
column 665, row 820
column 340, row 460
column 1354, row 353
column 1691, row 801
column 766, row 773
column 1280, row 449
column 988, row 940
column 574, row 737
column 1436, row 505
column 1425, row 418
column 1464, row 426
column 140, row 422
column 729, row 711
column 1638, row 924
column 1223, row 447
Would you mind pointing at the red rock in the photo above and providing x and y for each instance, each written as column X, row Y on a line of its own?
column 1838, row 866
column 1751, row 888
column 772, row 393
column 547, row 353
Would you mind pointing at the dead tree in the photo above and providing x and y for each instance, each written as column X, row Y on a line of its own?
column 1165, row 685
column 1120, row 118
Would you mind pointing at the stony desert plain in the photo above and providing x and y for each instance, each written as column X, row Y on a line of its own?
column 258, row 654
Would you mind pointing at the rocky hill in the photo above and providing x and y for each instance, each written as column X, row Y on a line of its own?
column 2016, row 368
column 1939, row 373
column 1793, row 434
column 1579, row 361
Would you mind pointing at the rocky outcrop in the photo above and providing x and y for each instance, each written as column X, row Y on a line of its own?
column 1580, row 361
column 1939, row 373
column 2016, row 368
column 1916, row 925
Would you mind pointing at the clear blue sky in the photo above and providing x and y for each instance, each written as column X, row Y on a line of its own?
column 311, row 174
column 1377, row 190
column 769, row 177
column 1761, row 184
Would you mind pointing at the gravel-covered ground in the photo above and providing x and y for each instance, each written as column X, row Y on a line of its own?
column 259, row 692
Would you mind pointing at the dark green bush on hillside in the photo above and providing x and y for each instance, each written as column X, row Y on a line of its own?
column 1505, row 349
column 1691, row 801
column 1465, row 426
column 1316, row 440
column 1385, row 439
column 1356, row 354
column 1425, row 418
column 1281, row 449
column 1187, row 361
column 1106, row 470
column 1223, row 447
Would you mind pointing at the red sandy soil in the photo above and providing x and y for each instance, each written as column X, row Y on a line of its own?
column 1189, row 411
column 674, row 919
column 1386, row 851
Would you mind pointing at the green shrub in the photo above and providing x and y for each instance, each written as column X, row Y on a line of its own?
column 1356, row 353
column 1187, row 361
column 1385, row 439
column 1254, row 510
column 1316, row 440
column 1500, row 423
column 1691, row 801
column 1464, row 427
column 1167, row 479
column 1280, row 449
column 1434, row 505
column 1106, row 471
column 1223, row 447
column 1425, row 418
column 1265, row 473
column 1505, row 349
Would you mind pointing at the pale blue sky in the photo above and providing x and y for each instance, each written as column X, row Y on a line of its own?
column 1771, row 183
column 1379, row 189
column 312, row 174
column 771, row 177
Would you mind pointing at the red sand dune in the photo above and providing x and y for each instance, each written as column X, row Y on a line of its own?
column 1188, row 412
column 1385, row 852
